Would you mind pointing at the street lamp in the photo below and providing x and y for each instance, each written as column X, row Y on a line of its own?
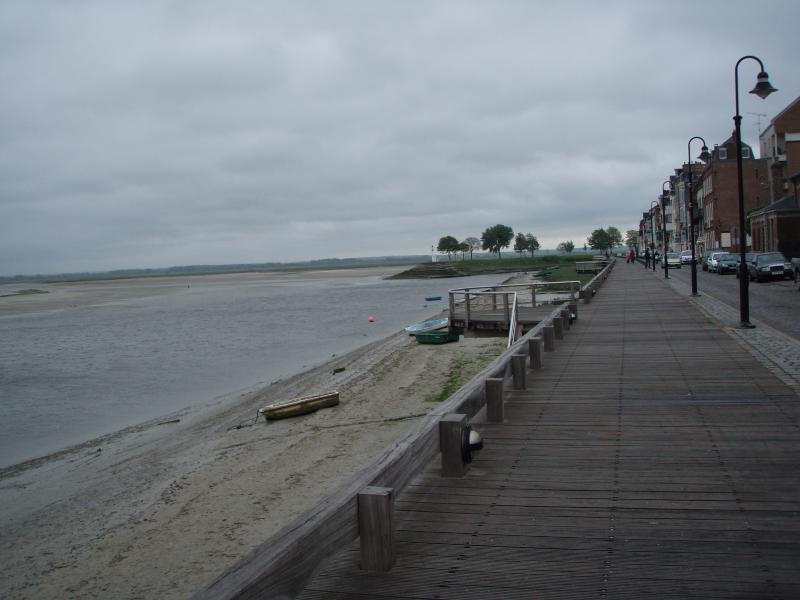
column 653, row 234
column 762, row 89
column 664, row 200
column 705, row 156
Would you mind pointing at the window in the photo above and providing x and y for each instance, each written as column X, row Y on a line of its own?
column 745, row 152
column 722, row 153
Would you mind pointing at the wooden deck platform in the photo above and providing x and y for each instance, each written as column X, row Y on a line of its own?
column 651, row 457
column 527, row 316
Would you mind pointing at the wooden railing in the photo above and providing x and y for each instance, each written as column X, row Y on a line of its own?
column 281, row 566
column 487, row 298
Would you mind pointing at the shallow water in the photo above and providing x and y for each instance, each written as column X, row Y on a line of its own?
column 135, row 350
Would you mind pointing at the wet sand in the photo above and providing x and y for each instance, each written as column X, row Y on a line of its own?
column 160, row 509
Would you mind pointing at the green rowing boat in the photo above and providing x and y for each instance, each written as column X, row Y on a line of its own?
column 436, row 337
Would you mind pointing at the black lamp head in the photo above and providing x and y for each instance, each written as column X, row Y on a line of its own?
column 763, row 86
column 705, row 155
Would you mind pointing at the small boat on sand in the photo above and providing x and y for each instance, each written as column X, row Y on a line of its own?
column 436, row 337
column 431, row 325
column 299, row 406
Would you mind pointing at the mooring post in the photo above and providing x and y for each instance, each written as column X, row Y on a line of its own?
column 573, row 308
column 494, row 400
column 375, row 528
column 549, row 336
column 535, row 348
column 558, row 327
column 451, row 433
column 518, row 371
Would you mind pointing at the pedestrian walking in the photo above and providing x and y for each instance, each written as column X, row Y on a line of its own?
column 647, row 258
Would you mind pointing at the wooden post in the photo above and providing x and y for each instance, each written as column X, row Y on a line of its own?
column 375, row 528
column 558, row 327
column 565, row 318
column 466, row 307
column 452, row 299
column 494, row 399
column 518, row 371
column 506, row 313
column 549, row 336
column 494, row 298
column 573, row 308
column 535, row 349
column 451, row 431
column 533, row 296
column 586, row 294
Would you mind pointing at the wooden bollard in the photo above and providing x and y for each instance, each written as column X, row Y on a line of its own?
column 494, row 400
column 558, row 327
column 586, row 294
column 518, row 370
column 549, row 336
column 565, row 318
column 375, row 528
column 573, row 308
column 451, row 431
column 535, row 349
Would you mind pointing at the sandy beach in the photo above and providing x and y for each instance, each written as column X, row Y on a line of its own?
column 160, row 509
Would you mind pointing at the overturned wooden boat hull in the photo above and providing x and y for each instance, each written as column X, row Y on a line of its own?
column 431, row 325
column 299, row 406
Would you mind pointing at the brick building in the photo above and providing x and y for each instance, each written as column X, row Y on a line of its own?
column 719, row 197
column 777, row 226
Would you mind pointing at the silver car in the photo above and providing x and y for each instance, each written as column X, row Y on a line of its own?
column 712, row 260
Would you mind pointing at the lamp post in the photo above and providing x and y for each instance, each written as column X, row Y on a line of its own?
column 653, row 234
column 705, row 156
column 664, row 199
column 762, row 89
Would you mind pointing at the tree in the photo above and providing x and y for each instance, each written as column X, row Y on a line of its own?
column 614, row 236
column 474, row 244
column 520, row 243
column 567, row 246
column 463, row 247
column 600, row 240
column 533, row 243
column 631, row 237
column 448, row 244
column 496, row 238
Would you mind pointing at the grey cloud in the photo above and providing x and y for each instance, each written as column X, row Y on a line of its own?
column 145, row 134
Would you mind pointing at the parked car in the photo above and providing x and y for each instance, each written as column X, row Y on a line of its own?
column 711, row 260
column 728, row 263
column 748, row 256
column 672, row 260
column 686, row 257
column 769, row 265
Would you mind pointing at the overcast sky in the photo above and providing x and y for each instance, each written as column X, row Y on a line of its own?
column 152, row 134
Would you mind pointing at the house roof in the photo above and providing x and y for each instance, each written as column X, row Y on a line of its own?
column 789, row 107
column 782, row 204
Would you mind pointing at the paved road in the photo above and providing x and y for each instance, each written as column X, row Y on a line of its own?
column 776, row 303
column 774, row 309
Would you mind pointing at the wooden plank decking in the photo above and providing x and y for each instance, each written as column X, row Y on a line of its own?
column 652, row 457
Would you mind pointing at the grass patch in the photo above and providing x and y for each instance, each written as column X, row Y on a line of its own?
column 464, row 368
column 25, row 292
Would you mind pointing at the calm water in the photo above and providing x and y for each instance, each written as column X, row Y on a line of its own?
column 70, row 375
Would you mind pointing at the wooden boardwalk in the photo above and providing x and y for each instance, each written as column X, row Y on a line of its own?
column 651, row 457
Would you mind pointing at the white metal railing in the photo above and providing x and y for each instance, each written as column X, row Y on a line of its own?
column 512, row 323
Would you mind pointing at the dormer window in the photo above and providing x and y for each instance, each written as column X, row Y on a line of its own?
column 745, row 152
column 722, row 153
